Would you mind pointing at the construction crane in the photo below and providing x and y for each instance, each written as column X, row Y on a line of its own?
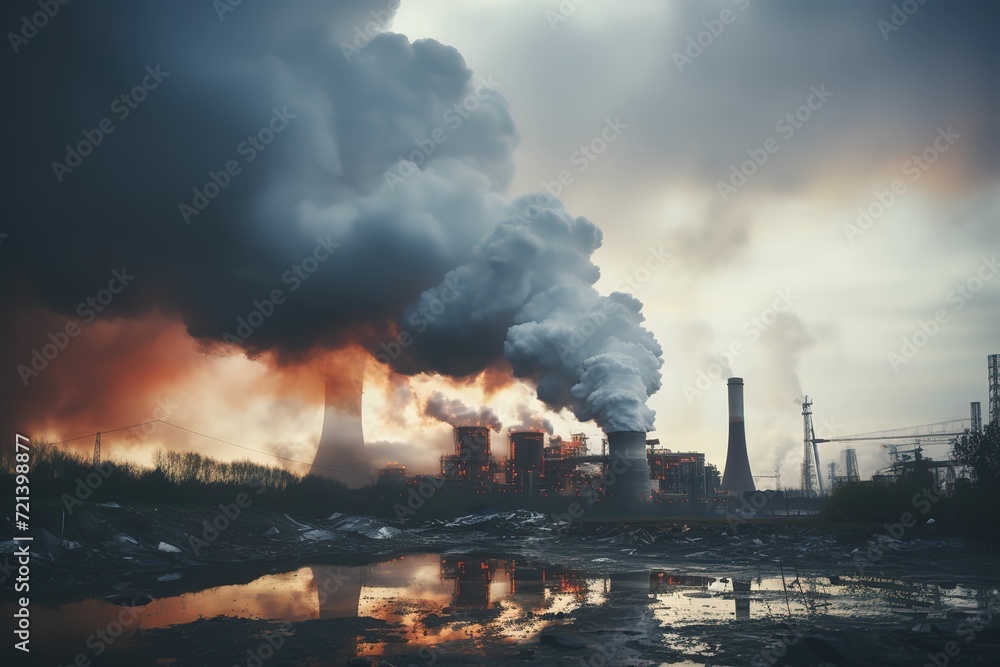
column 938, row 433
column 946, row 430
column 776, row 477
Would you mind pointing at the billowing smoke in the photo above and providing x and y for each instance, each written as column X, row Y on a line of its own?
column 456, row 413
column 528, row 287
column 322, row 200
column 529, row 421
column 276, row 192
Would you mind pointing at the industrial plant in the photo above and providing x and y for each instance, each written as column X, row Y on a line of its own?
column 628, row 472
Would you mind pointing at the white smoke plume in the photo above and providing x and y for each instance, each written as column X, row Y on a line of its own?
column 529, row 284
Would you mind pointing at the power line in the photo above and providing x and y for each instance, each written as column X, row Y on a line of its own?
column 251, row 449
column 112, row 430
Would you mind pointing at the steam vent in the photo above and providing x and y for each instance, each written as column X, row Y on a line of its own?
column 737, row 477
column 627, row 461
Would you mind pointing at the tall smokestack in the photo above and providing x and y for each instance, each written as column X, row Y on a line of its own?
column 628, row 468
column 737, row 477
column 341, row 453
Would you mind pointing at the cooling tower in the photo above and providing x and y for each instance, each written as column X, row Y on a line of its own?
column 737, row 477
column 341, row 453
column 627, row 479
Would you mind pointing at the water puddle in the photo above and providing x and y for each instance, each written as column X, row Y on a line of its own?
column 475, row 602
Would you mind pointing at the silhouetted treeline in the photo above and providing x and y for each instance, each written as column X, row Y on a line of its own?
column 60, row 479
column 965, row 508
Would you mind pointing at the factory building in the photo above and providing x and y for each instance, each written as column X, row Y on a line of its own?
column 526, row 460
column 629, row 468
column 472, row 462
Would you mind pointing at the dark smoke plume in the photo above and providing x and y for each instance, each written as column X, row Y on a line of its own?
column 529, row 421
column 456, row 413
column 275, row 191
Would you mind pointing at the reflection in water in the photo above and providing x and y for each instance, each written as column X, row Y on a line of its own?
column 430, row 599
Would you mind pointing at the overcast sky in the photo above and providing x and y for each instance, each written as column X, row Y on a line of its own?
column 799, row 194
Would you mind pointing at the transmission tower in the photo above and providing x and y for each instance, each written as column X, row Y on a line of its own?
column 993, row 362
column 97, row 450
column 809, row 471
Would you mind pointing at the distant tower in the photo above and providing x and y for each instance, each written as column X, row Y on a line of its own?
column 97, row 450
column 809, row 471
column 853, row 473
column 976, row 412
column 993, row 361
column 341, row 453
column 737, row 477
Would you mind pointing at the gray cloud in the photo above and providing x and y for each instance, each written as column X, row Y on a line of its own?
column 454, row 412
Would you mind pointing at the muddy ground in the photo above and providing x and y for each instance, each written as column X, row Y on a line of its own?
column 506, row 588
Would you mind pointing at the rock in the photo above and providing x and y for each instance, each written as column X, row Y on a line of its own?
column 561, row 639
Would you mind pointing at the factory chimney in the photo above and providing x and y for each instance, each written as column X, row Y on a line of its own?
column 341, row 453
column 627, row 478
column 737, row 477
